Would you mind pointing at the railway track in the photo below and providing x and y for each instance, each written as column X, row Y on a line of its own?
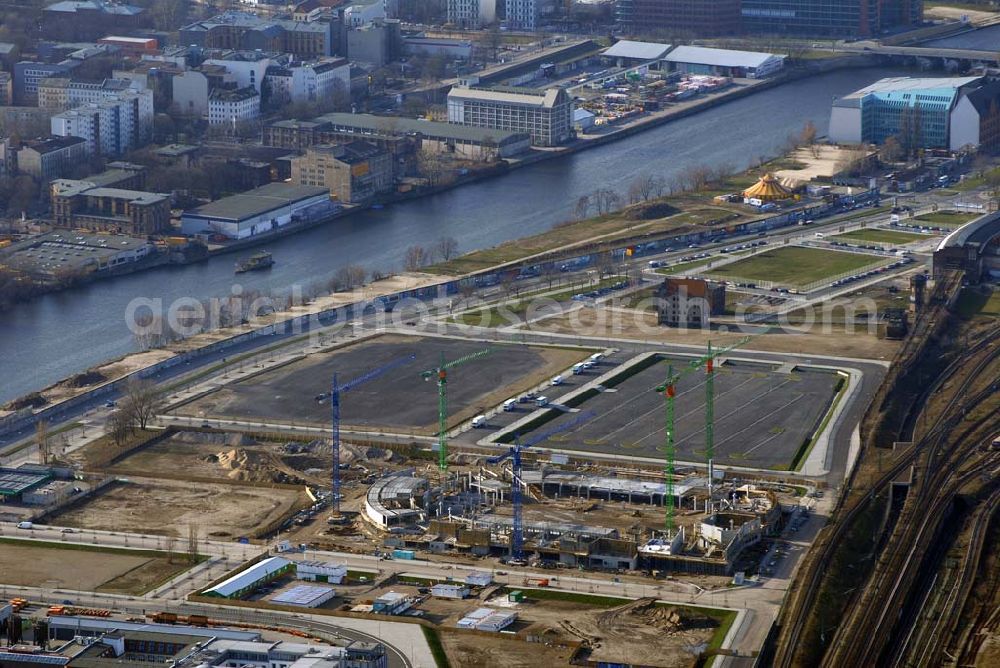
column 804, row 598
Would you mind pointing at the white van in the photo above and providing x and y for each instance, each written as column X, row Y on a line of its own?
column 558, row 380
column 820, row 235
column 596, row 357
column 578, row 369
column 509, row 405
column 541, row 402
column 479, row 422
column 25, row 525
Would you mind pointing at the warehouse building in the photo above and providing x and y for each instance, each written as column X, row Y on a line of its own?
column 86, row 205
column 447, row 590
column 391, row 603
column 305, row 596
column 627, row 53
column 54, row 255
column 487, row 619
column 357, row 171
column 249, row 579
column 320, row 571
column 258, row 211
column 545, row 115
column 724, row 62
column 15, row 483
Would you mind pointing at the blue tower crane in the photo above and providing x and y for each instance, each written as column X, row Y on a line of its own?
column 514, row 454
column 335, row 391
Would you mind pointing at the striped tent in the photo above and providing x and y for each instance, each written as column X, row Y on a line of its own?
column 766, row 189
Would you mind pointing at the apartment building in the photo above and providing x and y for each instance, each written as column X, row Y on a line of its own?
column 472, row 13
column 51, row 158
column 523, row 15
column 62, row 93
column 233, row 106
column 309, row 82
column 545, row 115
column 242, row 30
column 111, row 126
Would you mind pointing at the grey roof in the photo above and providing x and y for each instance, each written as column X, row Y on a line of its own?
column 256, row 202
column 977, row 231
column 21, row 657
column 627, row 48
column 985, row 96
column 904, row 84
column 702, row 55
column 96, row 5
column 522, row 96
column 14, row 482
column 103, row 625
column 397, row 125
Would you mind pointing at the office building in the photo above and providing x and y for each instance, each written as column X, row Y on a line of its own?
column 829, row 18
column 87, row 205
column 472, row 13
column 234, row 106
column 27, row 74
column 916, row 111
column 354, row 172
column 309, row 82
column 6, row 89
column 689, row 302
column 545, row 115
column 522, row 15
column 133, row 47
column 703, row 18
column 51, row 158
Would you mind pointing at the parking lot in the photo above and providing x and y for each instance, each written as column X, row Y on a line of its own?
column 762, row 415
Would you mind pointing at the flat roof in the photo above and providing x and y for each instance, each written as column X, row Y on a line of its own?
column 546, row 98
column 628, row 48
column 303, row 595
column 257, row 201
column 913, row 84
column 397, row 125
column 977, row 231
column 703, row 55
column 102, row 625
column 13, row 481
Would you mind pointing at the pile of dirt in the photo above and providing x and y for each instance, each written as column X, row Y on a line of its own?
column 33, row 400
column 243, row 465
column 86, row 378
column 646, row 611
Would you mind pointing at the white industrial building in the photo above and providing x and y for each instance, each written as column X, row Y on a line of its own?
column 309, row 82
column 523, row 15
column 478, row 579
column 487, row 619
column 546, row 115
column 250, row 578
column 391, row 603
column 447, row 590
column 724, row 62
column 258, row 211
column 472, row 13
column 305, row 596
column 396, row 500
column 627, row 52
column 320, row 571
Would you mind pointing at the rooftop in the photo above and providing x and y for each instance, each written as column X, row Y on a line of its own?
column 247, row 577
column 627, row 48
column 547, row 98
column 398, row 125
column 73, row 6
column 302, row 594
column 720, row 57
column 102, row 624
column 255, row 202
column 51, row 144
column 892, row 85
column 14, row 481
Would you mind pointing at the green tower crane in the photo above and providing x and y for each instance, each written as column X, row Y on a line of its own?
column 442, row 384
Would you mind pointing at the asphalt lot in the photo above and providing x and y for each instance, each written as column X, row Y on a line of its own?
column 762, row 416
column 400, row 398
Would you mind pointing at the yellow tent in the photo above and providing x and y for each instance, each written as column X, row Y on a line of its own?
column 768, row 188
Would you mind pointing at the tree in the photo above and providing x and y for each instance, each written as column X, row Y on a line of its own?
column 141, row 401
column 605, row 200
column 808, row 134
column 892, row 149
column 582, row 206
column 119, row 427
column 446, row 248
column 416, row 257
column 349, row 277
column 24, row 193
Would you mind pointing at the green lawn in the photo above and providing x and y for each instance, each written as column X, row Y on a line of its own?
column 794, row 265
column 953, row 218
column 972, row 303
column 881, row 236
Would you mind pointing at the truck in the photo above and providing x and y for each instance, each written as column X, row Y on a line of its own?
column 537, row 582
column 404, row 554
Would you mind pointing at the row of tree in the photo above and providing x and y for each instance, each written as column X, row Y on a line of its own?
column 135, row 411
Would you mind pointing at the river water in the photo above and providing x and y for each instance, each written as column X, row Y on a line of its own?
column 65, row 333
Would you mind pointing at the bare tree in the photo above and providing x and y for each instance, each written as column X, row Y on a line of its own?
column 349, row 277
column 141, row 401
column 582, row 206
column 642, row 188
column 119, row 427
column 415, row 258
column 446, row 248
column 605, row 200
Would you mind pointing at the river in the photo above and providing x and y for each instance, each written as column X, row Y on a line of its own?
column 65, row 333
